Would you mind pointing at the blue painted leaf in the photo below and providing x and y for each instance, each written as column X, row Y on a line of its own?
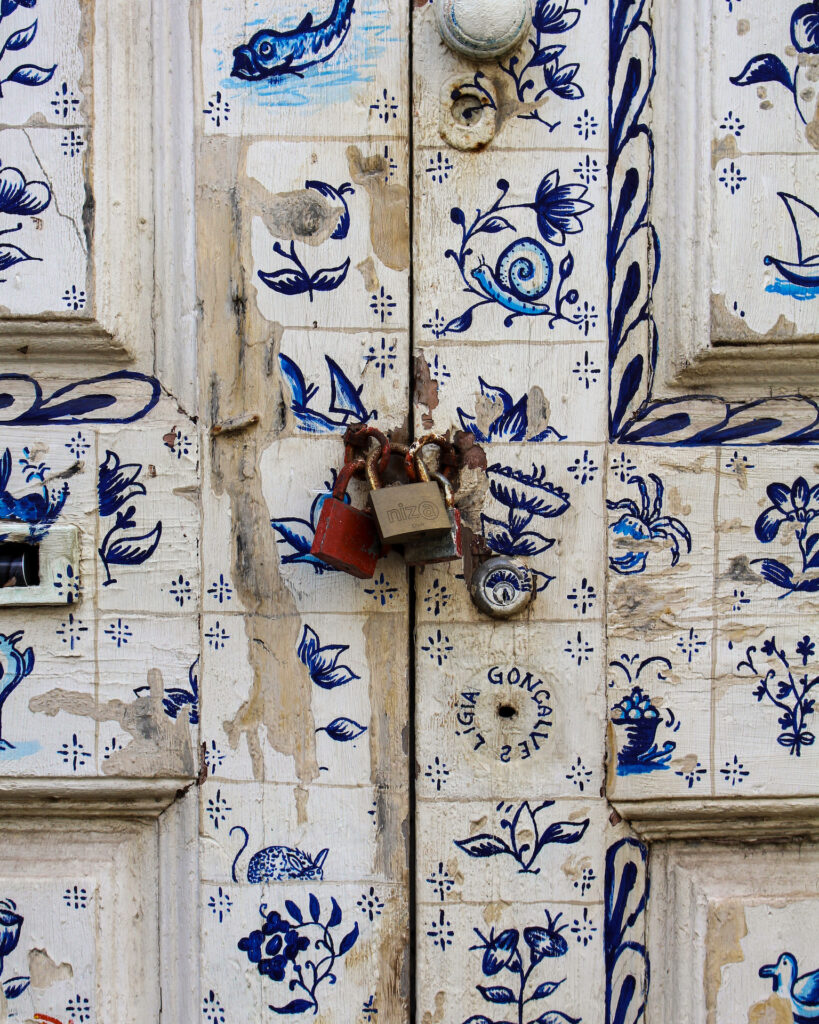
column 343, row 730
column 10, row 255
column 630, row 382
column 775, row 572
column 496, row 993
column 567, row 90
column 315, row 907
column 479, row 1019
column 20, row 40
column 14, row 987
column 808, row 586
column 331, row 278
column 335, row 915
column 296, row 1006
column 295, row 380
column 546, row 989
column 483, row 845
column 545, row 55
column 457, row 216
column 555, row 1017
column 767, row 67
column 494, row 225
column 512, row 424
column 566, row 266
column 30, row 74
column 286, row 282
column 348, row 941
column 345, row 397
column 295, row 532
column 460, row 323
column 565, row 832
column 293, row 911
column 810, row 544
column 134, row 550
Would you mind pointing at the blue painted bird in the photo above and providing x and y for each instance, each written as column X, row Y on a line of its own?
column 37, row 509
column 803, row 992
column 271, row 54
column 14, row 667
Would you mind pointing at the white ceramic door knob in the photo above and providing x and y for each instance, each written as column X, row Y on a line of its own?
column 483, row 29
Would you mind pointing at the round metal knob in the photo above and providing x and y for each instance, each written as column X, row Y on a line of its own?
column 502, row 587
column 483, row 29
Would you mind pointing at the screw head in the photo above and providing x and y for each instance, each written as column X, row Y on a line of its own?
column 483, row 29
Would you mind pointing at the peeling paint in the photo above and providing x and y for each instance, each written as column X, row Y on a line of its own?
column 723, row 943
column 160, row 746
column 389, row 208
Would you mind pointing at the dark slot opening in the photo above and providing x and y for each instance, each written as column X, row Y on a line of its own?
column 19, row 565
column 507, row 711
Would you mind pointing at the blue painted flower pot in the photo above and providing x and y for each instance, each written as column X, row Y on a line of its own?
column 640, row 736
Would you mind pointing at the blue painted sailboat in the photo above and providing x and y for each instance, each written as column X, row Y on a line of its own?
column 805, row 219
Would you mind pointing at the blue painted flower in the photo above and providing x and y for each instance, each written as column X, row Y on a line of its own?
column 559, row 208
column 22, row 198
column 554, row 16
column 548, row 941
column 322, row 662
column 511, row 422
column 500, row 953
column 806, row 649
column 805, row 27
column 117, row 483
column 10, row 924
column 276, row 947
column 798, row 503
column 10, row 6
column 530, row 493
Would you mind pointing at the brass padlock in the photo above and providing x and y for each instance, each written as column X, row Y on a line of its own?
column 406, row 512
column 446, row 548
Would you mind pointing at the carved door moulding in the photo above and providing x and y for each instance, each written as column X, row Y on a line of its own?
column 137, row 303
column 746, row 819
column 126, row 850
column 725, row 914
column 685, row 369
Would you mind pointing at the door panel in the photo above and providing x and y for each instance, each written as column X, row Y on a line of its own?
column 283, row 791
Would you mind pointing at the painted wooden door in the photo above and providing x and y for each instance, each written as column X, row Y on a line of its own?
column 238, row 785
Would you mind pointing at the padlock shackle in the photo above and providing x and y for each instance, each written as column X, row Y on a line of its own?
column 350, row 454
column 345, row 475
column 449, row 493
column 371, row 471
column 414, row 459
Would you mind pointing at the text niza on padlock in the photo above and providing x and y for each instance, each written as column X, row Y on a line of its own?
column 409, row 512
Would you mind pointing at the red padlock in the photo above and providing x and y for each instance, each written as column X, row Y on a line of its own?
column 347, row 538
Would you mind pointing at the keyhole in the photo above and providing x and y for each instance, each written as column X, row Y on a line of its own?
column 507, row 711
column 504, row 593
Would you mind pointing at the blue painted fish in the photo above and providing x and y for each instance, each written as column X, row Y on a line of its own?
column 271, row 54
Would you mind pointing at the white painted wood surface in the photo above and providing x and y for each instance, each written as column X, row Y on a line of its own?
column 262, row 741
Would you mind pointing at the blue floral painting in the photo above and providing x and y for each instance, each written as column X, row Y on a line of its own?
column 526, row 963
column 796, row 505
column 785, row 681
column 522, row 280
column 767, row 68
column 299, row 949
